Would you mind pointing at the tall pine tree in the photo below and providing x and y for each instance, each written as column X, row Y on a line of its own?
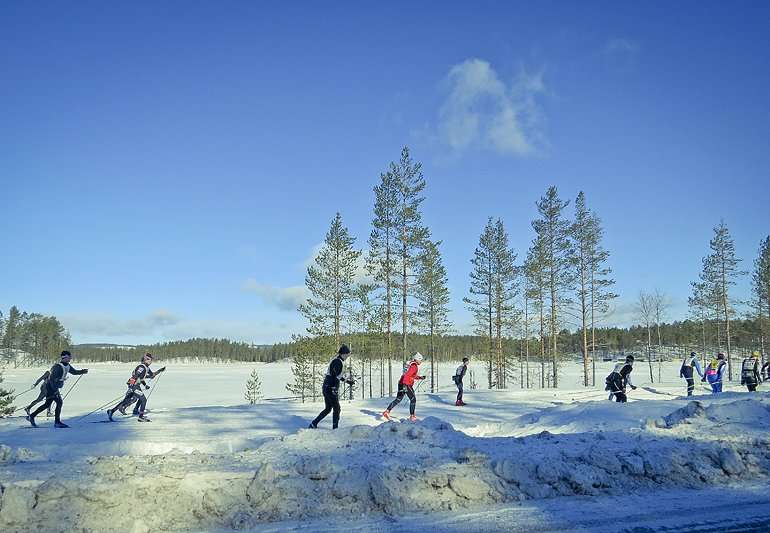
column 330, row 281
column 554, row 231
column 433, row 297
column 382, row 261
column 410, row 232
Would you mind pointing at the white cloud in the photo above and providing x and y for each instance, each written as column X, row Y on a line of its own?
column 284, row 298
column 620, row 46
column 482, row 111
column 109, row 326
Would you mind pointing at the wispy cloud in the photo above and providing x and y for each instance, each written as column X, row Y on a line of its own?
column 482, row 111
column 284, row 298
column 109, row 326
column 620, row 46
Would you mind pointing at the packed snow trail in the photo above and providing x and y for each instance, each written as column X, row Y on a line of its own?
column 393, row 469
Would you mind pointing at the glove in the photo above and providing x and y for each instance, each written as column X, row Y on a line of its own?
column 703, row 379
column 633, row 387
column 146, row 387
column 350, row 381
column 85, row 371
column 161, row 370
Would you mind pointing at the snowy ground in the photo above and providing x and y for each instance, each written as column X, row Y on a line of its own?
column 537, row 460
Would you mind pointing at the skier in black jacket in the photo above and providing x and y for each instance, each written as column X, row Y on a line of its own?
column 750, row 372
column 619, row 378
column 458, row 379
column 135, row 392
column 686, row 371
column 53, row 385
column 331, row 387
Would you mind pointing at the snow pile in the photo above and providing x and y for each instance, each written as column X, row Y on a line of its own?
column 392, row 468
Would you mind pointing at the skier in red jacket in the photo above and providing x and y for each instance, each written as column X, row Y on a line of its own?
column 405, row 387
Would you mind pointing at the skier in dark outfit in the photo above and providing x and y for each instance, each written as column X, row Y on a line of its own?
column 40, row 397
column 686, row 371
column 619, row 378
column 331, row 388
column 458, row 379
column 135, row 392
column 405, row 387
column 750, row 372
column 53, row 384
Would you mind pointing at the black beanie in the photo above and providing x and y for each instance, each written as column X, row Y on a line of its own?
column 65, row 353
column 344, row 350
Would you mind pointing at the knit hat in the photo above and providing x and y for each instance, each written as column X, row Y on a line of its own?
column 65, row 353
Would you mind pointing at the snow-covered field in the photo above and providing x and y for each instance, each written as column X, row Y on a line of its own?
column 515, row 460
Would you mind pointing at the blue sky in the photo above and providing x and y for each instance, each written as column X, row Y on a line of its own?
column 168, row 168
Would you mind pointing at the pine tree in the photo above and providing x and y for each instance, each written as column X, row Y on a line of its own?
column 584, row 238
column 6, row 399
column 253, row 388
column 760, row 283
column 382, row 261
column 505, row 290
column 698, row 303
column 554, row 231
column 302, row 369
column 535, row 275
column 330, row 281
column 410, row 232
column 433, row 297
column 481, row 301
column 601, row 283
column 720, row 270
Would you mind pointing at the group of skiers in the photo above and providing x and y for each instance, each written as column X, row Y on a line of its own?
column 751, row 374
column 334, row 376
column 53, row 381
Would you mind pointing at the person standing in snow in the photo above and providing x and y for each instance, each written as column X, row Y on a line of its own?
column 750, row 372
column 619, row 378
column 135, row 383
column 56, row 378
column 766, row 371
column 458, row 379
column 686, row 372
column 714, row 372
column 331, row 388
column 40, row 397
column 406, row 387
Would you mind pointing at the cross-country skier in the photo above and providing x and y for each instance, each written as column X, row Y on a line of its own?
column 458, row 379
column 714, row 372
column 135, row 383
column 405, row 387
column 331, row 388
column 750, row 372
column 53, row 385
column 686, row 372
column 619, row 378
column 41, row 396
column 766, row 371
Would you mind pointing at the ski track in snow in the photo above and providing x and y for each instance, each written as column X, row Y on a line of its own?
column 535, row 460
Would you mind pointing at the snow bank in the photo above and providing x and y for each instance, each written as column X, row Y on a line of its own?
column 391, row 469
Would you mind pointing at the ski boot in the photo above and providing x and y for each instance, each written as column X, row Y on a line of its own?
column 386, row 415
column 32, row 421
column 143, row 418
column 412, row 418
column 109, row 414
column 312, row 426
column 60, row 425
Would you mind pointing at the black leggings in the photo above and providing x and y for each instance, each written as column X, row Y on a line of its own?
column 133, row 395
column 402, row 390
column 332, row 403
column 40, row 397
column 690, row 385
column 459, row 391
column 47, row 404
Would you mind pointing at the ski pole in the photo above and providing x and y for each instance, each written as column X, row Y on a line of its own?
column 25, row 392
column 72, row 387
column 100, row 407
column 153, row 386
